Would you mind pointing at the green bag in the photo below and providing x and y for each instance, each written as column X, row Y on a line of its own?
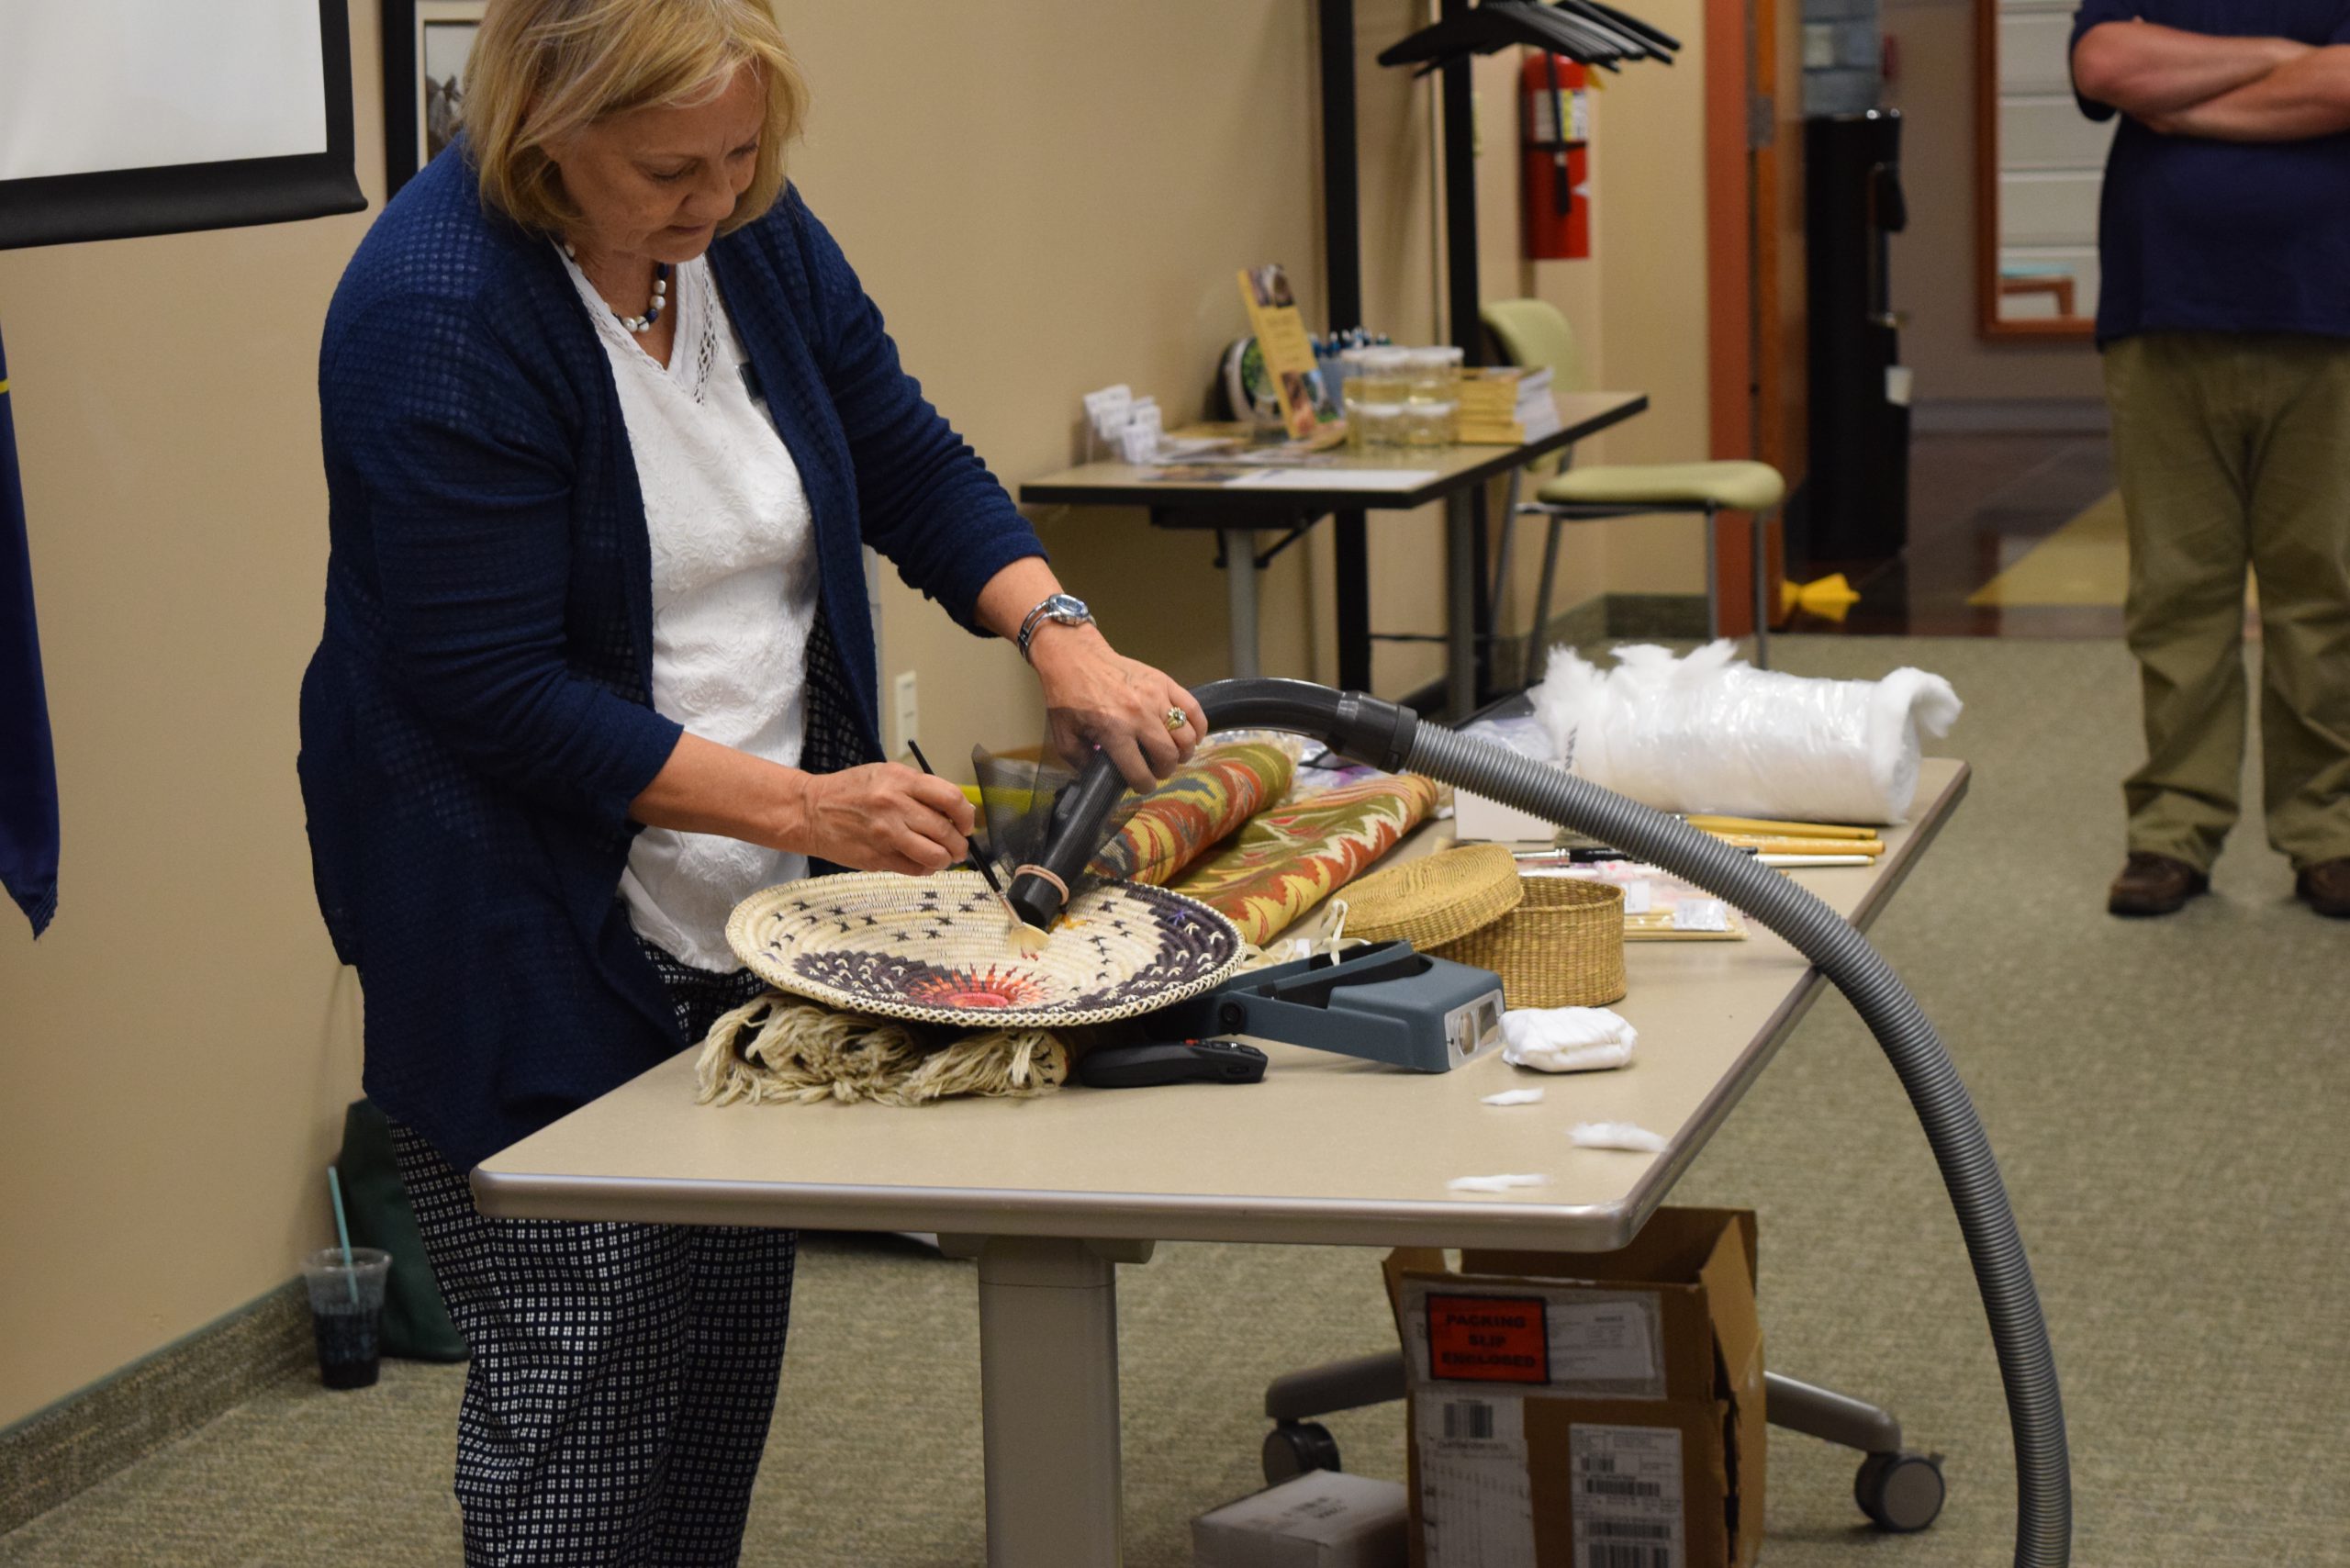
column 416, row 1324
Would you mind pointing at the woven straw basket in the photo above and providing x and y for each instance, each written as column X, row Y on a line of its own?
column 1561, row 946
column 1555, row 941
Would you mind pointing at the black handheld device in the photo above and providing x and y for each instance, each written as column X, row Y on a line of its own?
column 1210, row 1061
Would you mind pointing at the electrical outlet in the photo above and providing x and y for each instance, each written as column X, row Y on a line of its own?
column 907, row 707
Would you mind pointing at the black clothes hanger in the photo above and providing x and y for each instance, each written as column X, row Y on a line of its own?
column 1582, row 30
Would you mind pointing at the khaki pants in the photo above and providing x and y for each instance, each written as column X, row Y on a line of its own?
column 2232, row 450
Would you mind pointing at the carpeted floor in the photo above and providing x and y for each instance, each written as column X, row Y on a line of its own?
column 2166, row 1098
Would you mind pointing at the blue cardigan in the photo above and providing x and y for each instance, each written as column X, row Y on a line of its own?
column 477, row 716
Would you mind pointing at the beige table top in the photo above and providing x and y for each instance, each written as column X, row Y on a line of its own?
column 1327, row 1149
column 1581, row 414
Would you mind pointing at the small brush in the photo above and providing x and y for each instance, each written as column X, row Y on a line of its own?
column 1025, row 937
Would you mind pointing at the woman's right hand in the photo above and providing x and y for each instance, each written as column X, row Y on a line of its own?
column 881, row 817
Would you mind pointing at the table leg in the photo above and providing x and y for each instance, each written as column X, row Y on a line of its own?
column 1461, row 608
column 1712, row 576
column 1049, row 1394
column 1483, row 612
column 1240, row 597
column 1351, row 547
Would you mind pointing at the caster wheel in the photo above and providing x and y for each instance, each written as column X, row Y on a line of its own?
column 1901, row 1492
column 1295, row 1447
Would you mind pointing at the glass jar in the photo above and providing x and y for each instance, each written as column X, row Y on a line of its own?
column 1377, row 386
column 1429, row 423
column 1431, row 395
column 1434, row 375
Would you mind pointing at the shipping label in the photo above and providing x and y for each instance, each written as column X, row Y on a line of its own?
column 1477, row 1500
column 1627, row 1495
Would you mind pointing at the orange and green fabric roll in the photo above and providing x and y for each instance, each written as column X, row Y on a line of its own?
column 1288, row 860
column 1200, row 806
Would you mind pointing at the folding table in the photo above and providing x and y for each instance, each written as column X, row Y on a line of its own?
column 1051, row 1195
column 1238, row 512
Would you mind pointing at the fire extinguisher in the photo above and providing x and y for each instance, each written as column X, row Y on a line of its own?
column 1554, row 146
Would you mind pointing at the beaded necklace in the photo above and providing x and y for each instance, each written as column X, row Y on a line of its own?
column 642, row 324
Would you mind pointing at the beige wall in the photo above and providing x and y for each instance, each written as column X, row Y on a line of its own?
column 176, row 1054
column 1040, row 210
column 1079, row 304
column 1649, row 245
column 1048, row 208
column 1934, row 261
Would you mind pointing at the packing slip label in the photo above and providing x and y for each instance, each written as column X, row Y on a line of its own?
column 1627, row 1498
column 1476, row 1498
column 1488, row 1339
column 1609, row 1344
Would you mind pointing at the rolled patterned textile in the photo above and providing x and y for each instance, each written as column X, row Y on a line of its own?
column 1288, row 860
column 1198, row 808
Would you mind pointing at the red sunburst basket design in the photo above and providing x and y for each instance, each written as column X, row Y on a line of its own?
column 970, row 988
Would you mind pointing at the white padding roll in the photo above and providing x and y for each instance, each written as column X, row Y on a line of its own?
column 1710, row 733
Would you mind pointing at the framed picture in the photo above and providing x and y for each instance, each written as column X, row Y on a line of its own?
column 426, row 44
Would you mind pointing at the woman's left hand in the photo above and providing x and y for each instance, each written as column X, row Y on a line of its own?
column 1096, row 697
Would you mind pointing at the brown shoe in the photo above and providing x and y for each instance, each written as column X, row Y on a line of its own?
column 2325, row 888
column 2160, row 884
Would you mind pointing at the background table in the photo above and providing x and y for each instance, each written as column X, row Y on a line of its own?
column 1236, row 514
column 1050, row 1193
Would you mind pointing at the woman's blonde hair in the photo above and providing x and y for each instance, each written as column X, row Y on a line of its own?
column 541, row 70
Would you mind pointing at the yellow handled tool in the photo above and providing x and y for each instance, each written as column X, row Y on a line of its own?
column 1773, row 844
column 1776, row 829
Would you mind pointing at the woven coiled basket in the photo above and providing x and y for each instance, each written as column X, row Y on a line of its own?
column 1561, row 946
column 1555, row 941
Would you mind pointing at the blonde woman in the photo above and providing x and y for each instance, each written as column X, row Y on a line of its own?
column 607, row 420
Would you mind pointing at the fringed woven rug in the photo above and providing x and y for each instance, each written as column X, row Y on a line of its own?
column 777, row 1049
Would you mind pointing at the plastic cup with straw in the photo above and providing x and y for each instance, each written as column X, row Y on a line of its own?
column 346, row 1289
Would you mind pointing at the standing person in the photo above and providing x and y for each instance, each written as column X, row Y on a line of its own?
column 2224, row 319
column 607, row 420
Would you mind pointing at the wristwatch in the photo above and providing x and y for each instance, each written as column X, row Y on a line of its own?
column 1065, row 608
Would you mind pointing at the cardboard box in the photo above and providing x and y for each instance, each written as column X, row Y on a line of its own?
column 1323, row 1519
column 1477, row 820
column 1588, row 1410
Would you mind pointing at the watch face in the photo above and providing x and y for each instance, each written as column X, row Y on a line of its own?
column 1068, row 607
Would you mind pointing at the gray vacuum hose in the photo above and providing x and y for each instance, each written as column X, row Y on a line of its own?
column 1390, row 736
column 2027, row 1365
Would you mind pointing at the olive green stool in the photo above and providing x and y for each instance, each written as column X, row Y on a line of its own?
column 1534, row 334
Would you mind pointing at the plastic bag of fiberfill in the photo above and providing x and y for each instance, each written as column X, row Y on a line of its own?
column 1711, row 733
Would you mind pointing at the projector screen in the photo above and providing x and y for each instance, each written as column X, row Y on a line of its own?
column 121, row 118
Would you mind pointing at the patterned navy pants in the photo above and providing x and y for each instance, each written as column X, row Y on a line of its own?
column 623, row 1375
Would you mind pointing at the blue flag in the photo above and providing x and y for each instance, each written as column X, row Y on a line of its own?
column 28, row 764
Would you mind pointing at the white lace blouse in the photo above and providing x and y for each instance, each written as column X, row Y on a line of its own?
column 733, row 596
